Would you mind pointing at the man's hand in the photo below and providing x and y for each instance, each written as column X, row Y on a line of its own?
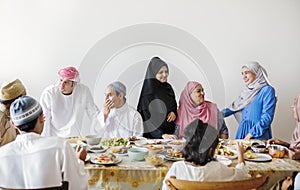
column 81, row 153
column 106, row 107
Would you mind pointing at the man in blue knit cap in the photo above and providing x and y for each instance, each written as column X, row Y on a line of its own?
column 36, row 161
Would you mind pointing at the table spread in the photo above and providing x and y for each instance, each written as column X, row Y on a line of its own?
column 130, row 174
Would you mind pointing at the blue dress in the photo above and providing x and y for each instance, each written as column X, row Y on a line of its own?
column 257, row 116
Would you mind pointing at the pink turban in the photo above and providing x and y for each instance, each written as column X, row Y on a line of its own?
column 69, row 73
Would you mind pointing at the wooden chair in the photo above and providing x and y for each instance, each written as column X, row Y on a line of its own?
column 65, row 186
column 252, row 183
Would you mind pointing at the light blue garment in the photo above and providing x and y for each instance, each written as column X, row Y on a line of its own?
column 257, row 116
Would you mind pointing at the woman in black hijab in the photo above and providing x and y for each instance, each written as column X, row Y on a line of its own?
column 157, row 103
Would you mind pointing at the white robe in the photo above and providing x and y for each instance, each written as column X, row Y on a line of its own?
column 33, row 161
column 122, row 122
column 64, row 113
column 212, row 171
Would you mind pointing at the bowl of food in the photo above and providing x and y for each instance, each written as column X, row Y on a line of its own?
column 277, row 151
column 137, row 153
column 177, row 144
column 154, row 149
column 258, row 148
column 155, row 160
column 92, row 139
column 140, row 142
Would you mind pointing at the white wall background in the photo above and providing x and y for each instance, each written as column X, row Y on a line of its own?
column 37, row 38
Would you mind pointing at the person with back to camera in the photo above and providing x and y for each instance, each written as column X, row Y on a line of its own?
column 157, row 104
column 199, row 163
column 117, row 118
column 65, row 103
column 192, row 105
column 255, row 107
column 9, row 92
column 33, row 161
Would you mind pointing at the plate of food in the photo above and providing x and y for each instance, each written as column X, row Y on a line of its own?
column 132, row 139
column 120, row 150
column 230, row 154
column 257, row 157
column 155, row 160
column 106, row 159
column 173, row 155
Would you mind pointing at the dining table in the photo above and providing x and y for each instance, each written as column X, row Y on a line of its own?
column 131, row 174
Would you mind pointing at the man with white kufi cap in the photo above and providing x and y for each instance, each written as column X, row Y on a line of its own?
column 9, row 92
column 117, row 118
column 64, row 105
column 32, row 161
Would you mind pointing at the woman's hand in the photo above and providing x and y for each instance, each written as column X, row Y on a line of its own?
column 81, row 153
column 248, row 137
column 294, row 154
column 240, row 152
column 171, row 117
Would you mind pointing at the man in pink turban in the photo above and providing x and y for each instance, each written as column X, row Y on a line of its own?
column 69, row 73
column 64, row 105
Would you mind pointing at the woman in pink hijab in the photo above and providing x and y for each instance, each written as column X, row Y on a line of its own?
column 192, row 105
column 294, row 145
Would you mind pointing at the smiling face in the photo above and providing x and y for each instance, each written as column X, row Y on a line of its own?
column 248, row 75
column 66, row 86
column 162, row 74
column 197, row 95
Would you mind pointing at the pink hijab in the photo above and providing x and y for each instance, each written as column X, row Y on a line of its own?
column 207, row 112
column 296, row 134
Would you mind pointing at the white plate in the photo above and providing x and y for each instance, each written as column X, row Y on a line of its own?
column 158, row 141
column 261, row 158
column 98, row 149
column 121, row 154
column 170, row 158
column 223, row 160
column 117, row 161
column 138, row 138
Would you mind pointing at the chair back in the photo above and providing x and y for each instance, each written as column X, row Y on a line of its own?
column 247, row 184
column 65, row 186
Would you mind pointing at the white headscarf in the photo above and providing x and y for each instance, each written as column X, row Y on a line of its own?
column 249, row 93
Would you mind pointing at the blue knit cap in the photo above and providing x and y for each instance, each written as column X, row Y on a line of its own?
column 24, row 109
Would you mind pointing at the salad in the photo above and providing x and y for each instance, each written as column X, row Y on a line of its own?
column 115, row 142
